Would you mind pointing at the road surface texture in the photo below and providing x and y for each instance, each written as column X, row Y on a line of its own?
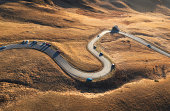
column 72, row 71
column 145, row 43
column 67, row 67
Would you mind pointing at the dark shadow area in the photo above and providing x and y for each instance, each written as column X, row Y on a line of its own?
column 65, row 3
column 138, row 5
column 146, row 5
column 32, row 44
column 19, row 15
column 120, row 78
column 11, row 15
column 107, row 7
column 7, row 1
column 117, row 4
column 44, row 48
column 166, row 3
column 61, row 83
column 33, row 6
column 48, row 78
column 144, row 34
column 56, row 54
column 71, row 4
column 15, row 82
column 76, row 4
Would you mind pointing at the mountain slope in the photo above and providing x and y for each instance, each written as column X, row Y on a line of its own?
column 30, row 80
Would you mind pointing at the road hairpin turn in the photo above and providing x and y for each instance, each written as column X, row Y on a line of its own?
column 72, row 71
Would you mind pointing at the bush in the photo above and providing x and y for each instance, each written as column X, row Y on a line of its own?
column 156, row 80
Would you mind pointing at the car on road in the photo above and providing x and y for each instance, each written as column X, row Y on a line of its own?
column 47, row 44
column 94, row 47
column 89, row 80
column 27, row 41
column 101, row 54
column 58, row 51
column 44, row 43
column 34, row 42
column 23, row 42
column 115, row 29
column 3, row 47
column 149, row 45
column 113, row 66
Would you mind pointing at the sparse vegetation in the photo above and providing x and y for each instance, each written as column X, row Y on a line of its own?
column 30, row 80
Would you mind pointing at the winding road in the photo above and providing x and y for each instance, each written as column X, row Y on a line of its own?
column 145, row 43
column 67, row 67
column 115, row 29
column 70, row 69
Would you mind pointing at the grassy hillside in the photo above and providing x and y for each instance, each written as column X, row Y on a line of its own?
column 141, row 81
column 143, row 95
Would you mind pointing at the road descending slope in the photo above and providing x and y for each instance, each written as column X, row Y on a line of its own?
column 67, row 67
column 146, row 43
column 70, row 69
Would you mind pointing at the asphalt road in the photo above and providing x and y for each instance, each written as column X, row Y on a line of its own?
column 67, row 67
column 145, row 43
column 72, row 71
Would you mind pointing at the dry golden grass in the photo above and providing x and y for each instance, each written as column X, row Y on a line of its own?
column 143, row 95
column 77, row 54
column 32, row 69
column 30, row 80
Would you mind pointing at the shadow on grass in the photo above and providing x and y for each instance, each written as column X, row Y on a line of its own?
column 8, row 1
column 120, row 78
column 61, row 83
column 14, row 81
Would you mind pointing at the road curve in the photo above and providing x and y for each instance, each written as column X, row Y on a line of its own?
column 70, row 69
column 67, row 67
column 142, row 41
